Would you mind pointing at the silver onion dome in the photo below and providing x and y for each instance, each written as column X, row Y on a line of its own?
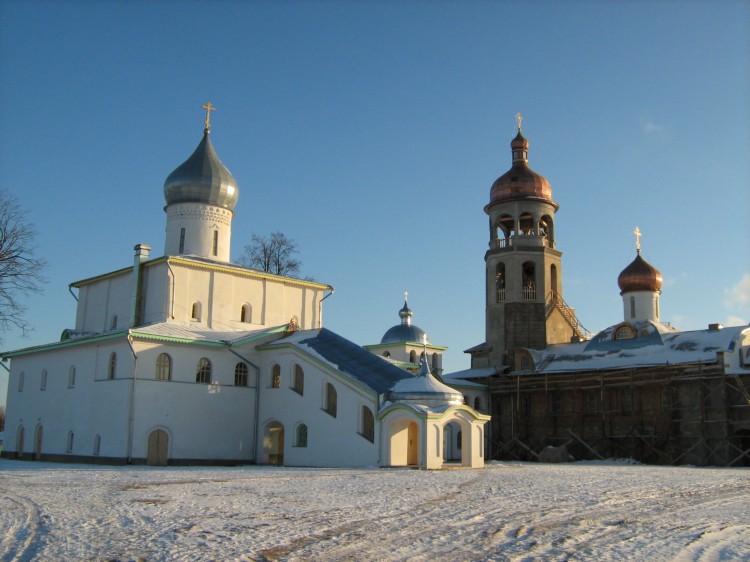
column 405, row 332
column 202, row 178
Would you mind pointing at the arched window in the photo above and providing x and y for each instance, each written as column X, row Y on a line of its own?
column 386, row 354
column 72, row 377
column 300, row 435
column 298, row 381
column 477, row 403
column 276, row 376
column 195, row 312
column 21, row 378
column 182, row 242
column 69, row 448
column 43, row 383
column 246, row 314
column 97, row 444
column 113, row 325
column 466, row 400
column 412, row 356
column 368, row 424
column 632, row 307
column 163, row 367
column 624, row 332
column 203, row 371
column 500, row 282
column 435, row 361
column 216, row 242
column 112, row 366
column 240, row 374
column 330, row 406
column 528, row 281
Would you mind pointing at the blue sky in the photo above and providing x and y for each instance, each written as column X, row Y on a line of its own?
column 371, row 132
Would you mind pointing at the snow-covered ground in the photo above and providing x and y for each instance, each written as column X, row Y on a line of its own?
column 507, row 511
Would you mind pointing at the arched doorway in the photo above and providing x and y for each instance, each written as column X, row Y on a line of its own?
column 273, row 444
column 38, row 443
column 404, row 443
column 20, row 438
column 452, row 442
column 158, row 448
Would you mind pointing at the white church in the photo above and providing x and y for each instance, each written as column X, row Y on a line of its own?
column 187, row 358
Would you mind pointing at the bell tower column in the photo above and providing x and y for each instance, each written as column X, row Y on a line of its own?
column 524, row 306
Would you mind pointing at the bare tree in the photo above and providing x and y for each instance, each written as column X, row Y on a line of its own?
column 20, row 269
column 273, row 254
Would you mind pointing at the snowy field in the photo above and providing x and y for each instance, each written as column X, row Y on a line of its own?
column 507, row 511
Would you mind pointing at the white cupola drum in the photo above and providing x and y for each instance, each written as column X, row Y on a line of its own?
column 200, row 198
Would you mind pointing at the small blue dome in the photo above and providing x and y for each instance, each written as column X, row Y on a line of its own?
column 405, row 332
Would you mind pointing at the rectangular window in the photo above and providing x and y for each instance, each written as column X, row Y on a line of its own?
column 182, row 241
column 216, row 242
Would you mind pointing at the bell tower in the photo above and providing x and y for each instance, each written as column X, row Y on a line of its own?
column 524, row 307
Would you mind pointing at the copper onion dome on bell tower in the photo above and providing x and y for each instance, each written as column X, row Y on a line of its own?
column 520, row 182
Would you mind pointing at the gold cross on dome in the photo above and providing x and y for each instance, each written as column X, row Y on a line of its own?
column 406, row 296
column 637, row 233
column 209, row 108
column 519, row 119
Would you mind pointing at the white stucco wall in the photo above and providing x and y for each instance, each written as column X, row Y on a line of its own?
column 101, row 300
column 94, row 405
column 331, row 441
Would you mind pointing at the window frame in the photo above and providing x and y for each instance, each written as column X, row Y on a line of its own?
column 298, row 380
column 330, row 397
column 241, row 373
column 203, row 370
column 163, row 367
column 301, row 435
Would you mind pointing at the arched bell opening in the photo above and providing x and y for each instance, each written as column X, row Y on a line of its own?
column 528, row 281
column 526, row 224
column 500, row 283
column 547, row 230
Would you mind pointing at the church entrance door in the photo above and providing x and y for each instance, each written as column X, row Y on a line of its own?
column 38, row 443
column 452, row 442
column 412, row 454
column 274, row 444
column 158, row 448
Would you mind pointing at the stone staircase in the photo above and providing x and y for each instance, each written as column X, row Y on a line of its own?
column 555, row 301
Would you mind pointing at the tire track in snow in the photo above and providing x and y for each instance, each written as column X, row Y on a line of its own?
column 21, row 522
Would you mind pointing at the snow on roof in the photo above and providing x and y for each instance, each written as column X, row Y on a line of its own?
column 184, row 332
column 471, row 374
column 463, row 378
column 676, row 348
column 347, row 357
